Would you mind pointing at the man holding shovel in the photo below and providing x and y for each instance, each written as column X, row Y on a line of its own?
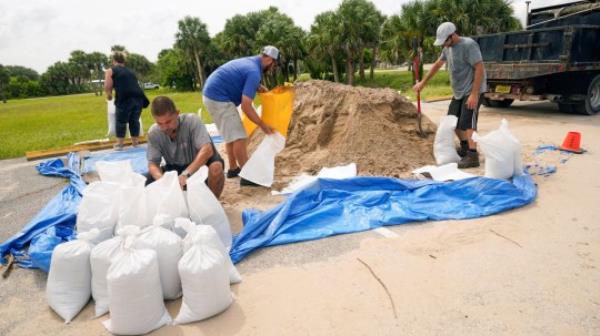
column 468, row 80
column 232, row 84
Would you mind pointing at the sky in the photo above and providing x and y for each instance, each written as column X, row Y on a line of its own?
column 38, row 33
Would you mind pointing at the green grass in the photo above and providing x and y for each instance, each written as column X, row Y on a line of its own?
column 401, row 80
column 51, row 122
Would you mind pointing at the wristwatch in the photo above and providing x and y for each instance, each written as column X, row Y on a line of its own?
column 186, row 173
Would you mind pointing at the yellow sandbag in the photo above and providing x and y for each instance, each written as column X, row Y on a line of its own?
column 277, row 106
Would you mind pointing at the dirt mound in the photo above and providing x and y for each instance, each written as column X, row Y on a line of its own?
column 335, row 124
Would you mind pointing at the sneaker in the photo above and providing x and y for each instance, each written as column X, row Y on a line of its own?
column 118, row 147
column 231, row 173
column 470, row 160
column 462, row 150
column 247, row 183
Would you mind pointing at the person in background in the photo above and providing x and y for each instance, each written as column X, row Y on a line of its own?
column 185, row 145
column 468, row 80
column 236, row 82
column 129, row 99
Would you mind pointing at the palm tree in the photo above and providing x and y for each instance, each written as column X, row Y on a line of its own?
column 325, row 38
column 193, row 38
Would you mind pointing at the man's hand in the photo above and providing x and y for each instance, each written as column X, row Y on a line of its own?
column 472, row 101
column 182, row 181
column 419, row 86
column 262, row 89
column 266, row 128
column 109, row 97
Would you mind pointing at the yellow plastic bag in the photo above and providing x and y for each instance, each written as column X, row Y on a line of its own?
column 277, row 106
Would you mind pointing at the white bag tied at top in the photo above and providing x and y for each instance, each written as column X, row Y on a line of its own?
column 165, row 196
column 68, row 288
column 100, row 259
column 205, row 280
column 443, row 145
column 99, row 208
column 205, row 208
column 135, row 294
column 168, row 248
column 260, row 168
column 206, row 235
column 502, row 152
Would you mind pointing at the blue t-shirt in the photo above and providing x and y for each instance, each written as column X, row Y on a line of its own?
column 233, row 79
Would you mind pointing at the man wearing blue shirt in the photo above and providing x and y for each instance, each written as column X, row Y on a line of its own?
column 236, row 82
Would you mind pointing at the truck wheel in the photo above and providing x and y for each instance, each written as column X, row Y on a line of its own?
column 497, row 103
column 592, row 101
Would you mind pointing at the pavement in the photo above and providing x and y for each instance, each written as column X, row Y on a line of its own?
column 529, row 271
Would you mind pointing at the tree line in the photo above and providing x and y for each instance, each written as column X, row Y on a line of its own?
column 340, row 45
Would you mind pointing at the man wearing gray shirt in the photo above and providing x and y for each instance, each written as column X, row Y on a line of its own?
column 468, row 80
column 185, row 145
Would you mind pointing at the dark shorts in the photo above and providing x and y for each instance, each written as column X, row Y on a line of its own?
column 180, row 168
column 467, row 118
column 128, row 112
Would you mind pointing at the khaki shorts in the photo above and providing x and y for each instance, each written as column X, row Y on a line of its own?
column 227, row 118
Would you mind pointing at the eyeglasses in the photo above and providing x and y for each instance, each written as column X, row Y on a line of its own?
column 448, row 38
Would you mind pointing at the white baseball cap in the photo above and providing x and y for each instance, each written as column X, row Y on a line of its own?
column 443, row 31
column 271, row 51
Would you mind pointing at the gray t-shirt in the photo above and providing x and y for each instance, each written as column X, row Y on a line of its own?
column 191, row 135
column 461, row 59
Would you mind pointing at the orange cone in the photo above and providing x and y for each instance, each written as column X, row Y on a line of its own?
column 572, row 142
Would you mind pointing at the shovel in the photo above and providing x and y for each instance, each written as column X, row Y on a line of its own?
column 416, row 65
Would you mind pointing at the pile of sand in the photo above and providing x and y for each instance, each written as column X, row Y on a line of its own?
column 334, row 124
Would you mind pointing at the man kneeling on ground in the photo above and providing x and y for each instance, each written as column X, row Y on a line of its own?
column 184, row 143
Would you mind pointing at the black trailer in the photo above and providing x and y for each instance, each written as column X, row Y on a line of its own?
column 557, row 60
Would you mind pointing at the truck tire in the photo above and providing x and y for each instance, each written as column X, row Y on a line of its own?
column 497, row 103
column 592, row 101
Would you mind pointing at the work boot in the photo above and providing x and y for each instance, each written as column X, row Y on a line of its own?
column 462, row 150
column 231, row 173
column 470, row 160
column 247, row 183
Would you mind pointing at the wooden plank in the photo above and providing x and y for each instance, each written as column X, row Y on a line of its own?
column 91, row 146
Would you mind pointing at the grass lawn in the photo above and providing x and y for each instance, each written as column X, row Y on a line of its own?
column 52, row 122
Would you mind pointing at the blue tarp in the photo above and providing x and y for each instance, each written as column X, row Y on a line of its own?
column 54, row 224
column 329, row 207
column 324, row 208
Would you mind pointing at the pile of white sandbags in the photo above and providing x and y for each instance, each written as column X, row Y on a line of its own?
column 130, row 255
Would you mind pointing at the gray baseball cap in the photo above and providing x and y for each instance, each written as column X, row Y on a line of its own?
column 271, row 51
column 444, row 30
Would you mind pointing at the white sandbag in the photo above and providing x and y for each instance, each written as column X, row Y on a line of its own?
column 499, row 151
column 99, row 209
column 68, row 288
column 111, row 118
column 205, row 280
column 135, row 294
column 443, row 145
column 132, row 207
column 205, row 208
column 169, row 250
column 517, row 148
column 114, row 171
column 100, row 261
column 165, row 196
column 206, row 235
column 260, row 168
